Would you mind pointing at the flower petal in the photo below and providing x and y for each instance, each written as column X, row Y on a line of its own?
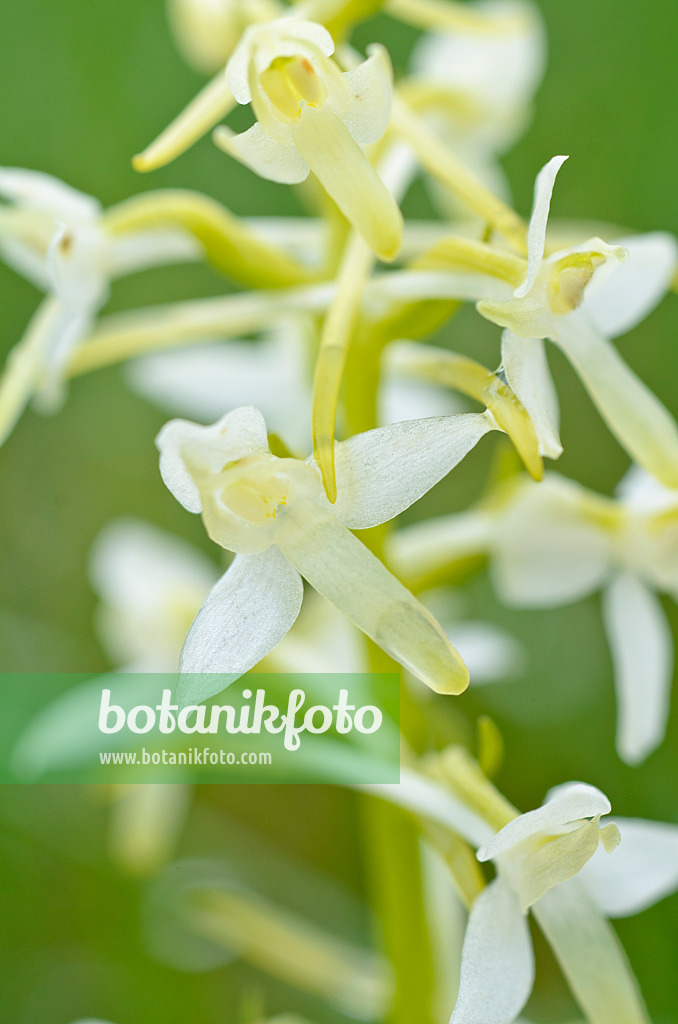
column 367, row 111
column 643, row 870
column 490, row 653
column 536, row 236
column 269, row 40
column 568, row 803
column 497, row 961
column 529, row 377
column 327, row 146
column 591, row 956
column 428, row 799
column 382, row 472
column 239, row 433
column 349, row 576
column 38, row 191
column 546, row 551
column 636, row 417
column 263, row 154
column 641, row 646
column 616, row 303
column 246, row 614
column 203, row 382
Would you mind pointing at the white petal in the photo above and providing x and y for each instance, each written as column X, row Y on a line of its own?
column 368, row 107
column 569, row 803
column 263, row 154
column 239, row 433
column 349, row 576
column 529, row 377
column 490, row 654
column 384, row 471
column 641, row 646
column 590, row 955
column 639, row 421
column 641, row 871
column 546, row 551
column 268, row 41
column 641, row 492
column 498, row 67
column 39, row 191
column 536, row 238
column 246, row 614
column 620, row 300
column 426, row 798
column 206, row 381
column 497, row 961
column 133, row 565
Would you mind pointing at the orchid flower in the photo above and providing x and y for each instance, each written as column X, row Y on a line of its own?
column 274, row 514
column 313, row 117
column 476, row 81
column 578, row 298
column 56, row 237
column 557, row 543
column 563, row 864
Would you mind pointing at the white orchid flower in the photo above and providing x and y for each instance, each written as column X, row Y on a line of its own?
column 579, row 298
column 313, row 117
column 553, row 862
column 537, row 857
column 56, row 237
column 274, row 514
column 477, row 81
column 555, row 543
column 563, row 543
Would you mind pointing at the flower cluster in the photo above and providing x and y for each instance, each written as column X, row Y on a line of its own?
column 317, row 411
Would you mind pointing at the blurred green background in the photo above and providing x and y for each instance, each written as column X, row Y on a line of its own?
column 85, row 86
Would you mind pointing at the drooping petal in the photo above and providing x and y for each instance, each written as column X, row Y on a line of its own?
column 529, row 377
column 327, row 146
column 636, row 417
column 349, row 576
column 246, row 614
column 237, row 434
column 536, row 236
column 370, row 89
column 497, row 961
column 263, row 154
column 382, row 472
column 641, row 646
column 546, row 551
column 643, row 870
column 570, row 802
column 591, row 956
column 617, row 302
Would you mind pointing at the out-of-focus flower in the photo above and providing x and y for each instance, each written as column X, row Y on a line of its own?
column 476, row 83
column 206, row 32
column 556, row 543
column 274, row 514
column 56, row 237
column 313, row 117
